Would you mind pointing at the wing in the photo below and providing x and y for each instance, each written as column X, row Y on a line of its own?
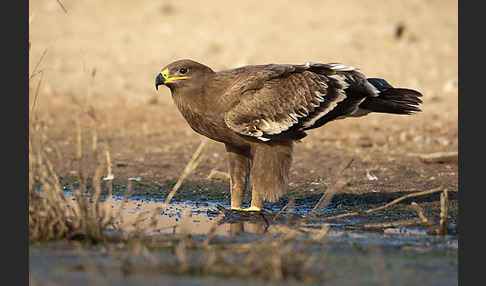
column 295, row 99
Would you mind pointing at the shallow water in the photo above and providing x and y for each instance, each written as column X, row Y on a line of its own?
column 198, row 217
column 401, row 256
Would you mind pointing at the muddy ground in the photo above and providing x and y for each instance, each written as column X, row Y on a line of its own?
column 93, row 64
column 342, row 256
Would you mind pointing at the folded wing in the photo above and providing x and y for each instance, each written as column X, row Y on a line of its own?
column 295, row 98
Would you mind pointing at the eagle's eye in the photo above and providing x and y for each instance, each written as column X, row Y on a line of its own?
column 183, row 70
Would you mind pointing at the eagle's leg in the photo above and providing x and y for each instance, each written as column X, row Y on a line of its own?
column 270, row 172
column 239, row 171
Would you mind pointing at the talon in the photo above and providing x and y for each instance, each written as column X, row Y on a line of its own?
column 250, row 209
column 253, row 209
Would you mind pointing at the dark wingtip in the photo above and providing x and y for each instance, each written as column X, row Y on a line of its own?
column 394, row 100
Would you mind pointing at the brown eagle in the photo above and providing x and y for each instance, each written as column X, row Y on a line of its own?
column 258, row 112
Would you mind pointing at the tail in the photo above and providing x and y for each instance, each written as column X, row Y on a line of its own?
column 392, row 100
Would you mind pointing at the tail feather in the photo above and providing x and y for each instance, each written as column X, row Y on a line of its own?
column 392, row 100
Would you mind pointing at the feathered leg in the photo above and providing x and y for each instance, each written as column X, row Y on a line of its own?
column 239, row 170
column 270, row 172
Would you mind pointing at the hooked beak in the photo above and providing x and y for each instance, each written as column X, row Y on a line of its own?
column 164, row 78
column 159, row 80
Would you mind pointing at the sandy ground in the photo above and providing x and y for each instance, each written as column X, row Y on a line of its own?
column 101, row 59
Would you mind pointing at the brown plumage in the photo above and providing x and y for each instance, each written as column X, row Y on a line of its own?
column 259, row 111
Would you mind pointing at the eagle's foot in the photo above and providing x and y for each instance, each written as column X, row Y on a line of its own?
column 250, row 209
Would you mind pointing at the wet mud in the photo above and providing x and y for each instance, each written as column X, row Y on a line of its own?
column 347, row 253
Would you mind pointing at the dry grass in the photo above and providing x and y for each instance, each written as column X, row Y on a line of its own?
column 54, row 215
column 271, row 258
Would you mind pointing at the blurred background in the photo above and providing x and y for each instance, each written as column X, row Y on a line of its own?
column 97, row 123
column 93, row 65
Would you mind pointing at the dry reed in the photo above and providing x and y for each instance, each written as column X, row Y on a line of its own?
column 191, row 166
column 444, row 209
column 337, row 183
column 394, row 202
column 54, row 215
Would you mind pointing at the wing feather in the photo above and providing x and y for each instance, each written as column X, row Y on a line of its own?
column 281, row 100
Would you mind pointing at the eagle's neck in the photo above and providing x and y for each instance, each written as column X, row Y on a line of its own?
column 191, row 99
column 202, row 110
column 195, row 106
column 202, row 97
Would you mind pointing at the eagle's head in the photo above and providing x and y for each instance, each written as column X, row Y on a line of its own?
column 182, row 73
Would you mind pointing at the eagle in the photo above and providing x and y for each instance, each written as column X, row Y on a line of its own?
column 259, row 111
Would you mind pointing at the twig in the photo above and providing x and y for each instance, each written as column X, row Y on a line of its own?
column 191, row 165
column 395, row 224
column 36, row 95
column 391, row 224
column 94, row 141
column 444, row 198
column 109, row 177
column 34, row 71
column 289, row 204
column 321, row 233
column 62, row 6
column 335, row 187
column 420, row 212
column 79, row 146
column 212, row 231
column 394, row 202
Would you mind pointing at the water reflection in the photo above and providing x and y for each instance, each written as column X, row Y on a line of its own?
column 197, row 218
column 248, row 227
